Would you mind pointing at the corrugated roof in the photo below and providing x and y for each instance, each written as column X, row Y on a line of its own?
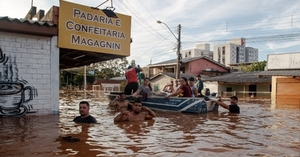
column 186, row 60
column 280, row 73
column 173, row 75
column 241, row 77
column 6, row 18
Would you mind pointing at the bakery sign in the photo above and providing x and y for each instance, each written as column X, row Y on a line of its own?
column 89, row 29
column 284, row 61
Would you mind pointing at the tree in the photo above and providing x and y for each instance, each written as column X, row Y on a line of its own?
column 75, row 76
column 111, row 68
column 257, row 66
column 103, row 70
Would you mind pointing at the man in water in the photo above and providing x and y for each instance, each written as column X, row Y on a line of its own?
column 136, row 114
column 84, row 111
column 120, row 103
column 233, row 107
column 132, row 80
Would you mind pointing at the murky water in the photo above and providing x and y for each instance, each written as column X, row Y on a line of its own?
column 260, row 130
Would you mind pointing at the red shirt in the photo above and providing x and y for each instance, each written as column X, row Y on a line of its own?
column 131, row 75
column 186, row 91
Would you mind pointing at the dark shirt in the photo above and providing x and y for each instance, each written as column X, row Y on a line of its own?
column 89, row 119
column 186, row 91
column 200, row 86
column 234, row 108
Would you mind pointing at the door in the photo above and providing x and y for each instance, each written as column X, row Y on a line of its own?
column 252, row 90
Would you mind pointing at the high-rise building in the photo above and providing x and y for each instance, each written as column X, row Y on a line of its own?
column 235, row 52
column 200, row 50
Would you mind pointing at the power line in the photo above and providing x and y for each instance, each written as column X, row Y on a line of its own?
column 134, row 12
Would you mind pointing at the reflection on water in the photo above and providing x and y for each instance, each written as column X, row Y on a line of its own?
column 260, row 130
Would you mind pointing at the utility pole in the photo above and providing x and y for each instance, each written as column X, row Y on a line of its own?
column 178, row 53
column 177, row 69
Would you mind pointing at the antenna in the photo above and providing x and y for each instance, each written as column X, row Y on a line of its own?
column 108, row 11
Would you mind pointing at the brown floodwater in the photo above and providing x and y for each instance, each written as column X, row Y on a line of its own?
column 261, row 129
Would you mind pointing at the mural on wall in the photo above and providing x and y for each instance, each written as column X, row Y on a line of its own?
column 14, row 94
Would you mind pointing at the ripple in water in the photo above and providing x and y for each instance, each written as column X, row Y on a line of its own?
column 260, row 130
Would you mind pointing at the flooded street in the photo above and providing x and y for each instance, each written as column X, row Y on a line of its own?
column 261, row 129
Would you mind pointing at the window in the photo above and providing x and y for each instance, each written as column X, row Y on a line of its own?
column 228, row 89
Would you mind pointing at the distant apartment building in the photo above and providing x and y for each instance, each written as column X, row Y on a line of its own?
column 235, row 52
column 200, row 50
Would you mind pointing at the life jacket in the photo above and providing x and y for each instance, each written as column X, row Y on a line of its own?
column 131, row 75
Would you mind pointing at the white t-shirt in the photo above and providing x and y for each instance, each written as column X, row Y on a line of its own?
column 175, row 88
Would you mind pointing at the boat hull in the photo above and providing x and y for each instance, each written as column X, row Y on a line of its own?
column 176, row 104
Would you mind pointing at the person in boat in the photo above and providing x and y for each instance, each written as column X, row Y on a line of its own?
column 132, row 80
column 199, row 85
column 176, row 86
column 138, row 113
column 183, row 91
column 233, row 107
column 194, row 89
column 169, row 88
column 119, row 103
column 84, row 111
column 145, row 89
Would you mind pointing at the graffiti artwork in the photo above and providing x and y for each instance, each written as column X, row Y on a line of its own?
column 14, row 94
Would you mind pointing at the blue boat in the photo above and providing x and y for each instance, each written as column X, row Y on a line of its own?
column 178, row 104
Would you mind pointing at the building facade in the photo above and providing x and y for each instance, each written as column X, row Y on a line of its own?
column 244, row 84
column 235, row 52
column 29, row 73
column 190, row 65
column 200, row 50
column 285, row 71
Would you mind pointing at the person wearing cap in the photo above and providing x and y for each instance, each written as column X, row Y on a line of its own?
column 138, row 113
column 132, row 80
column 199, row 85
column 233, row 107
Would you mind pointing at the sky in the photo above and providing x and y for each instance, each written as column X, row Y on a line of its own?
column 271, row 26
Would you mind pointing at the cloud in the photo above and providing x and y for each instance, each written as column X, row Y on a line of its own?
column 201, row 21
column 276, row 46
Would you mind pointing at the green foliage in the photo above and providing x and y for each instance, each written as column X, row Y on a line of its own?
column 103, row 70
column 156, row 88
column 75, row 77
column 258, row 66
column 111, row 68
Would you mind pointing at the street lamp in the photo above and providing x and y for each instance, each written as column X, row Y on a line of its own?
column 178, row 47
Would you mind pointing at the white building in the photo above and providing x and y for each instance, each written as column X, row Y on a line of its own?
column 235, row 52
column 200, row 50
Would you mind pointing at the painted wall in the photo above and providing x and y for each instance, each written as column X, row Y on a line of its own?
column 212, row 85
column 30, row 67
column 195, row 67
column 161, row 81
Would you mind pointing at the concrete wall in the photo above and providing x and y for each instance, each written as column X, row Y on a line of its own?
column 212, row 85
column 33, row 61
